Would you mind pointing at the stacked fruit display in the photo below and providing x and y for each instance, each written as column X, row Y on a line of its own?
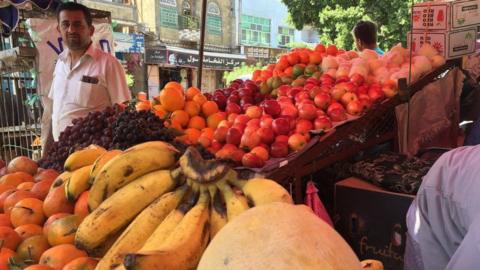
column 37, row 221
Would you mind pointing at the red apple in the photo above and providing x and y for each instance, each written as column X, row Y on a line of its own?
column 322, row 123
column 296, row 141
column 354, row 107
column 266, row 135
column 266, row 121
column 254, row 112
column 283, row 90
column 342, row 79
column 241, row 119
column 366, row 103
column 362, row 89
column 281, row 126
column 307, row 111
column 251, row 160
column 279, row 149
column 290, row 111
column 333, row 106
column 357, row 79
column 375, row 94
column 281, row 138
column 245, row 92
column 249, row 140
column 261, row 152
column 338, row 91
column 315, row 91
column 237, row 156
column 240, row 127
column 348, row 97
column 389, row 91
column 254, row 122
column 272, row 107
column 338, row 115
column 234, row 136
column 233, row 99
column 301, row 96
column 220, row 134
column 321, row 113
column 214, row 147
column 294, row 91
column 303, row 126
column 233, row 108
column 323, row 100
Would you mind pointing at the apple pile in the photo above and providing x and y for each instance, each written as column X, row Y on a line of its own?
column 272, row 114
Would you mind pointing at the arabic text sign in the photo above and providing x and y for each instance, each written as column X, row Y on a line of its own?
column 215, row 62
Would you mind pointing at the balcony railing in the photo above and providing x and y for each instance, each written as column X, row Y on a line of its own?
column 188, row 22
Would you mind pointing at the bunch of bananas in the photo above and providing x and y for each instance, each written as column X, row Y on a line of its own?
column 152, row 210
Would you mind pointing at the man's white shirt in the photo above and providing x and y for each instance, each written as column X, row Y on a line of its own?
column 95, row 82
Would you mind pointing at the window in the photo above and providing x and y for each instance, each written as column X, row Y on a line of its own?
column 214, row 19
column 255, row 30
column 186, row 8
column 285, row 35
column 169, row 14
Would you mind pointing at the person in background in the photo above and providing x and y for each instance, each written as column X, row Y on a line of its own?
column 444, row 219
column 85, row 78
column 365, row 35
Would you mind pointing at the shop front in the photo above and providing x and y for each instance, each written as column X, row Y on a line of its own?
column 168, row 63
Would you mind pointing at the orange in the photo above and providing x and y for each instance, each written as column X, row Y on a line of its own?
column 5, row 255
column 26, row 186
column 200, row 99
column 81, row 206
column 15, row 197
column 5, row 187
column 46, row 174
column 40, row 189
column 214, row 119
column 4, row 196
column 197, row 122
column 83, row 263
column 209, row 108
column 142, row 96
column 10, row 238
column 192, row 108
column 27, row 211
column 56, row 202
column 58, row 256
column 175, row 85
column 204, row 141
column 16, row 178
column 27, row 230
column 160, row 112
column 191, row 92
column 5, row 220
column 181, row 117
column 208, row 132
column 143, row 106
column 172, row 99
column 32, row 248
column 192, row 135
column 173, row 124
column 50, row 220
column 62, row 230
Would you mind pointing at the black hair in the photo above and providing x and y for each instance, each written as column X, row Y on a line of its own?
column 72, row 6
column 366, row 32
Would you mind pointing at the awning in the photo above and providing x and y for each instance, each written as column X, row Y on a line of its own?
column 9, row 15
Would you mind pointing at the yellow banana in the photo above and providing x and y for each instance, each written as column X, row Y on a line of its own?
column 82, row 158
column 77, row 183
column 183, row 248
column 261, row 191
column 218, row 214
column 129, row 165
column 169, row 224
column 100, row 162
column 62, row 178
column 236, row 204
column 135, row 235
column 120, row 208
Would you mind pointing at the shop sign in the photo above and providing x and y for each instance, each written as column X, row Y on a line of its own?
column 269, row 55
column 214, row 62
column 129, row 43
column 155, row 56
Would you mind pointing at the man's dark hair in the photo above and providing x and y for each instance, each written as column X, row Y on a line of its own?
column 366, row 31
column 72, row 6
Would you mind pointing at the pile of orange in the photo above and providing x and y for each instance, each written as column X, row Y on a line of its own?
column 38, row 223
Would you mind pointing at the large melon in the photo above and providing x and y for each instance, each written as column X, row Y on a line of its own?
column 278, row 236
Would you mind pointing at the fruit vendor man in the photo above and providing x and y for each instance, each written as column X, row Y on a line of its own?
column 365, row 35
column 85, row 78
column 444, row 219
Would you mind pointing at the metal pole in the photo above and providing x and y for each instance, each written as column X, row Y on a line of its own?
column 202, row 43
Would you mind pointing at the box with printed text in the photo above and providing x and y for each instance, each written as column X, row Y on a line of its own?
column 446, row 16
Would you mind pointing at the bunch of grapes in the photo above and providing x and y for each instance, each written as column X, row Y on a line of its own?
column 112, row 128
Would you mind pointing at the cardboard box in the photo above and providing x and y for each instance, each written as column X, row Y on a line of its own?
column 446, row 16
column 450, row 44
column 372, row 221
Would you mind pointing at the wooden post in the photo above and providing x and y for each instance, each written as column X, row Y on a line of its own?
column 202, row 43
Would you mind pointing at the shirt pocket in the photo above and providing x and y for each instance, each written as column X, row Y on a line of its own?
column 88, row 95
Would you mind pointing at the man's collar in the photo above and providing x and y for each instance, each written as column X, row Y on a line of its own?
column 91, row 51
